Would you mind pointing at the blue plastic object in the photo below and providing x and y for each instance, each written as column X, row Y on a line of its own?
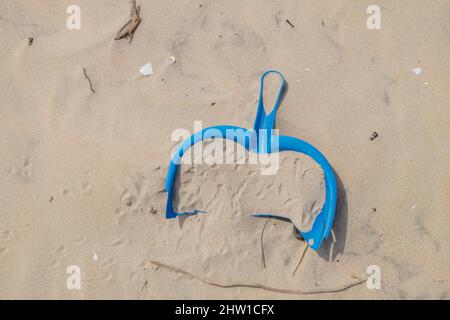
column 264, row 123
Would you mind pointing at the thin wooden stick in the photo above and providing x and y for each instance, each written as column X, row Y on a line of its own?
column 255, row 286
column 144, row 288
column 89, row 80
column 301, row 259
column 263, row 256
column 332, row 245
column 289, row 23
column 127, row 31
column 121, row 34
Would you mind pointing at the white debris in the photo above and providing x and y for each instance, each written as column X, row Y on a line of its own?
column 413, row 207
column 95, row 257
column 146, row 70
column 171, row 60
column 307, row 69
column 417, row 71
column 426, row 83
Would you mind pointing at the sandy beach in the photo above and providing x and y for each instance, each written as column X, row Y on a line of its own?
column 86, row 140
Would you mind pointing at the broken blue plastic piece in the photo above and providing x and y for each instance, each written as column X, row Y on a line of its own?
column 264, row 143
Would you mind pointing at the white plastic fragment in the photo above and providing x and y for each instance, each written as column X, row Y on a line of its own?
column 417, row 71
column 171, row 60
column 95, row 257
column 146, row 70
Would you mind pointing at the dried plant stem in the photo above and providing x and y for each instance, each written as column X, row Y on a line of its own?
column 290, row 23
column 255, row 286
column 263, row 256
column 301, row 259
column 89, row 80
column 128, row 30
column 144, row 288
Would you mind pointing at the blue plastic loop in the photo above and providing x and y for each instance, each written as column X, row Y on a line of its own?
column 264, row 120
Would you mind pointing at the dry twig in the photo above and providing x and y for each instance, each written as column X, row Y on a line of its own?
column 144, row 288
column 301, row 259
column 263, row 256
column 127, row 31
column 290, row 23
column 255, row 286
column 89, row 80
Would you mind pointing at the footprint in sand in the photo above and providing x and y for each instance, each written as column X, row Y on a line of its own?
column 79, row 240
column 119, row 213
column 24, row 171
column 127, row 199
column 3, row 251
column 6, row 235
column 108, row 263
column 138, row 196
column 102, row 278
column 119, row 243
column 54, row 263
column 86, row 187
column 61, row 251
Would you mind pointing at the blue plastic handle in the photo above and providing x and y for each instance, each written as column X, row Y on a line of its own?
column 263, row 120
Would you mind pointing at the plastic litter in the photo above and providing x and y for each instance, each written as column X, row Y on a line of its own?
column 417, row 71
column 146, row 70
column 324, row 220
column 171, row 60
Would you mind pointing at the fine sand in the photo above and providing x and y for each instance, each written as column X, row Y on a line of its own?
column 85, row 143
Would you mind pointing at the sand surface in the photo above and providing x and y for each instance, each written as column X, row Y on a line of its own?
column 296, row 192
column 82, row 172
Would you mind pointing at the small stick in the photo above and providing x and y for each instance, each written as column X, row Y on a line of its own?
column 127, row 31
column 255, row 286
column 144, row 287
column 89, row 80
column 301, row 259
column 373, row 136
column 332, row 245
column 289, row 23
column 263, row 257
